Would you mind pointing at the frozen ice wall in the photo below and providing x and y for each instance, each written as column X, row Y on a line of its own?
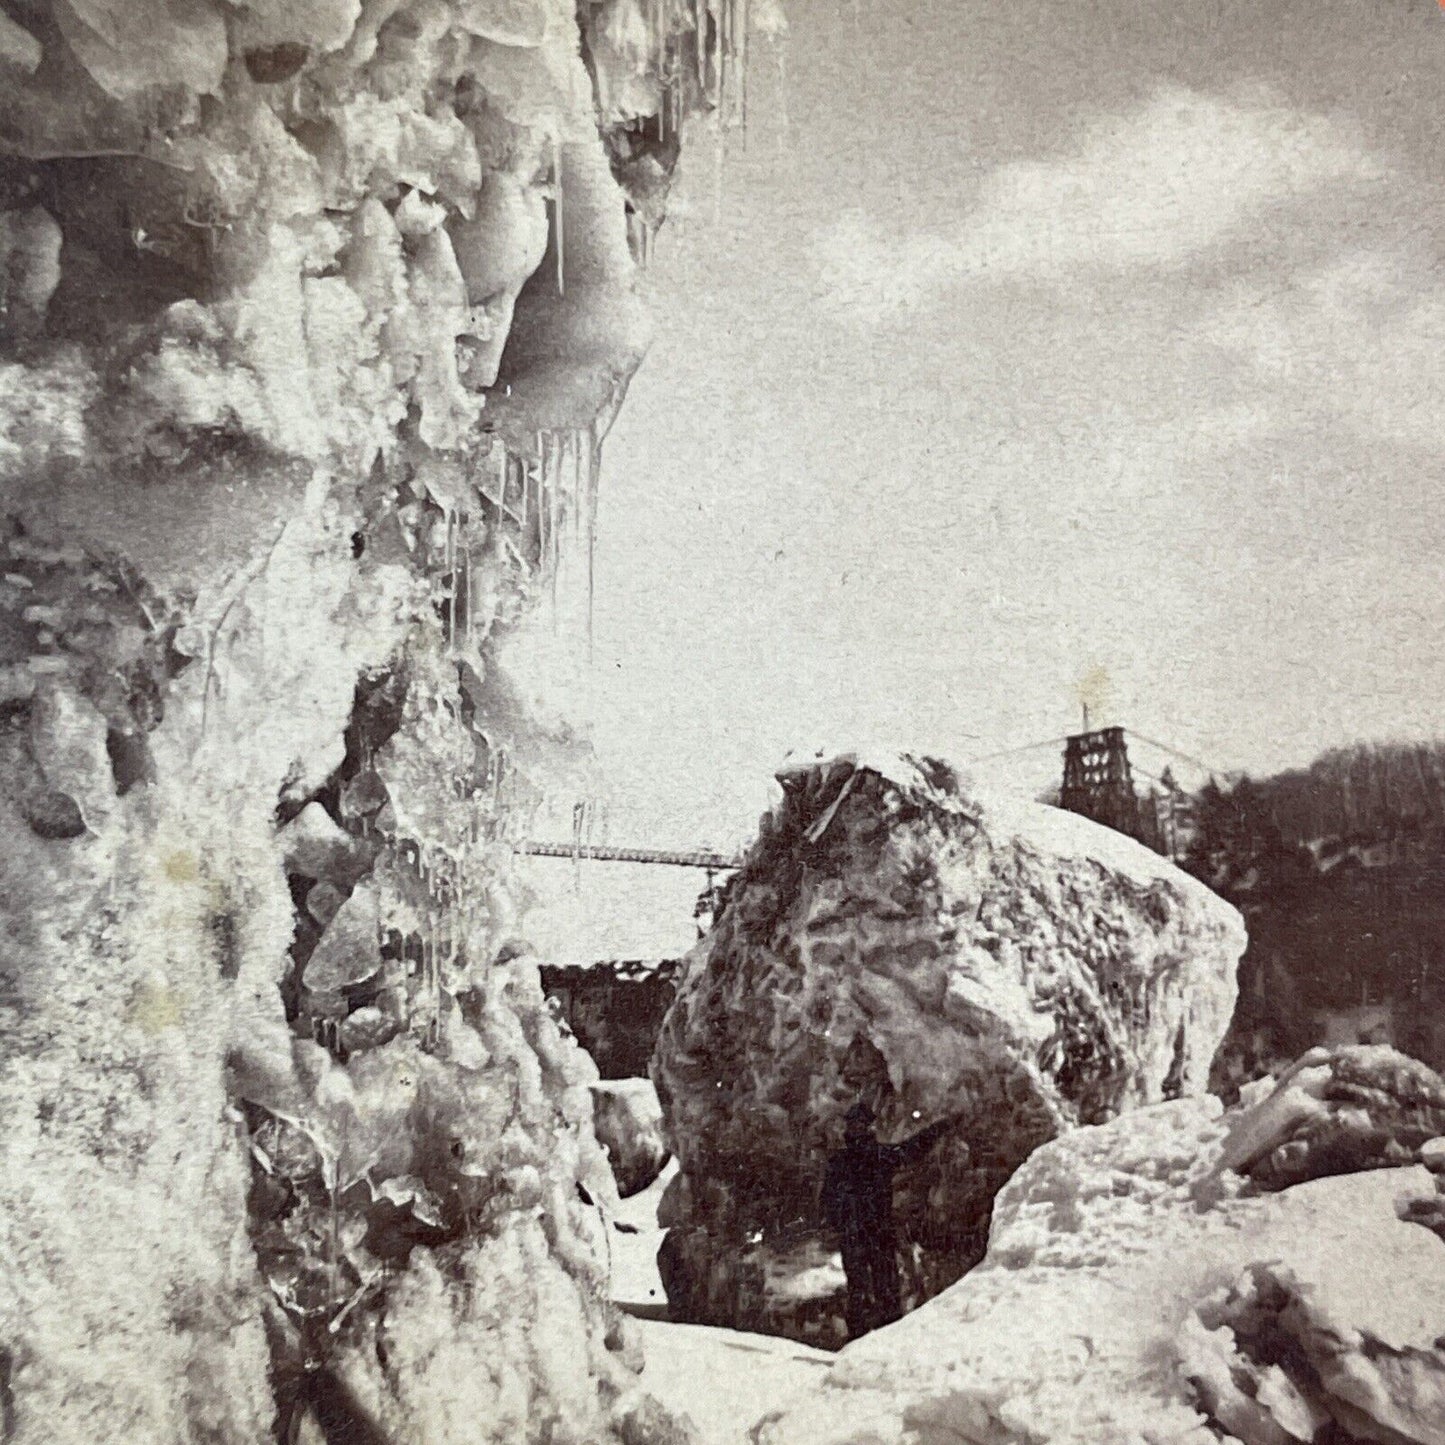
column 313, row 317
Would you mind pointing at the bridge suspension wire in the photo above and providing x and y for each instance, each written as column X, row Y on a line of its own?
column 714, row 862
column 1178, row 753
column 1023, row 748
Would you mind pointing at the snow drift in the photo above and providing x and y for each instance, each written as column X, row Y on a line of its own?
column 1115, row 1306
column 894, row 936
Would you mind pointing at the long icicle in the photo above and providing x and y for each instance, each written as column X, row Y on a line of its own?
column 724, row 70
column 451, row 566
column 554, row 520
column 467, row 579
column 743, row 22
column 575, row 440
column 594, row 467
column 543, row 515
column 558, row 216
column 699, row 48
column 526, row 506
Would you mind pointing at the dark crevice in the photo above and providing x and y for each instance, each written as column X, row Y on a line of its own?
column 130, row 759
column 7, row 1395
column 225, row 934
column 54, row 816
column 1174, row 1079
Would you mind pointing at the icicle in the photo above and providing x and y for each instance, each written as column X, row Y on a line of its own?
column 466, row 578
column 554, row 527
column 743, row 69
column 558, row 217
column 451, row 571
column 699, row 57
column 723, row 69
column 526, row 508
column 593, row 467
column 542, row 509
column 574, row 440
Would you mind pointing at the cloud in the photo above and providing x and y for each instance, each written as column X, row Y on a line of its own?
column 1359, row 339
column 1158, row 188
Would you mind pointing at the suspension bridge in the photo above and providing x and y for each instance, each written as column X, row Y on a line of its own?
column 590, row 853
column 1098, row 782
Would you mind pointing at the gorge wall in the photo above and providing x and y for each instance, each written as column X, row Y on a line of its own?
column 313, row 317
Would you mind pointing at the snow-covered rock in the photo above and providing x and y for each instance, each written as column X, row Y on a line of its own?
column 1337, row 1111
column 628, row 1121
column 892, row 935
column 1112, row 1309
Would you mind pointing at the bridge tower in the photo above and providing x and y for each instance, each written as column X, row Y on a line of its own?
column 1098, row 781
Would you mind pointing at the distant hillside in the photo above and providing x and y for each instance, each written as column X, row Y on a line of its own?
column 1361, row 789
column 1339, row 869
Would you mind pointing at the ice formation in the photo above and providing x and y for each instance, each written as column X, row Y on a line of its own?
column 1115, row 1307
column 893, row 936
column 628, row 1123
column 313, row 317
column 1336, row 1111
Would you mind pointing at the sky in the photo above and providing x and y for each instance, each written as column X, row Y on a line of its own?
column 1027, row 351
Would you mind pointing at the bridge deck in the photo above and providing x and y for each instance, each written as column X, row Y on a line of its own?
column 591, row 853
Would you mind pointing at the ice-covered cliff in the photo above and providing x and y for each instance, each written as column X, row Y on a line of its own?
column 896, row 937
column 313, row 317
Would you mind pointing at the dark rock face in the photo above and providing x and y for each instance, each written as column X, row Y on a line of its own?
column 895, row 938
column 615, row 1010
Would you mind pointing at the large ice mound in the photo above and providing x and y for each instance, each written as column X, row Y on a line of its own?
column 313, row 319
column 892, row 934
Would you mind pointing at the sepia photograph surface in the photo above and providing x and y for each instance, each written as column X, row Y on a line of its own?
column 721, row 722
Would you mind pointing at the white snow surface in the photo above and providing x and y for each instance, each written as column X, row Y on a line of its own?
column 721, row 1380
column 1082, row 1326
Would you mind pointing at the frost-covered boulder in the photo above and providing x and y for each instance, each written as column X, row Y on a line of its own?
column 628, row 1121
column 892, row 935
column 1112, row 1308
column 1337, row 1111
